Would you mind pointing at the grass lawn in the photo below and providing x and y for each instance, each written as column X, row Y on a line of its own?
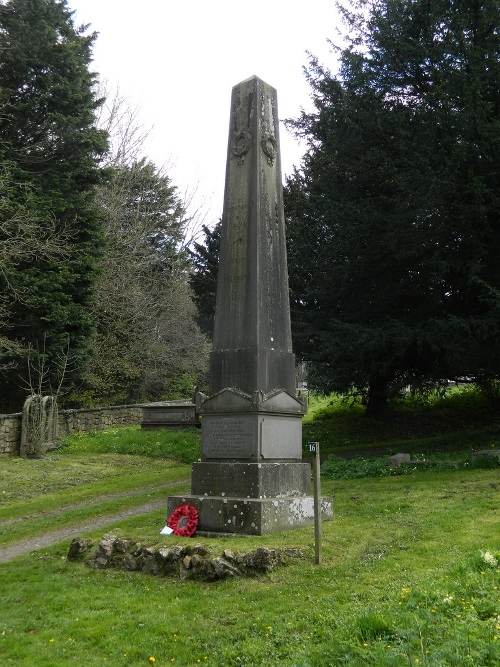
column 410, row 572
column 403, row 582
column 460, row 419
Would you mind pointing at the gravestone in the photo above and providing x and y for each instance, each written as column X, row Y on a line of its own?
column 251, row 478
column 169, row 414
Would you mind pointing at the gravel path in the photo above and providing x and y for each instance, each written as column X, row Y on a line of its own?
column 53, row 537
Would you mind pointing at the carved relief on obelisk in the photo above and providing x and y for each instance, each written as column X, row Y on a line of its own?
column 252, row 338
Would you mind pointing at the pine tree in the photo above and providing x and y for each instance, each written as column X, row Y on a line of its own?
column 394, row 227
column 51, row 146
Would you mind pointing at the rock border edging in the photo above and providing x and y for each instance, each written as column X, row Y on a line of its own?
column 196, row 562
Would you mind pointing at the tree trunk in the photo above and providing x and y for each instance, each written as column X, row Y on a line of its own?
column 377, row 398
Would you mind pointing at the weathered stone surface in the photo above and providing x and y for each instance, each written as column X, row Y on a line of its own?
column 398, row 459
column 190, row 562
column 39, row 425
column 79, row 548
column 168, row 414
column 169, row 560
column 149, row 562
column 69, row 421
column 102, row 557
column 487, row 454
column 130, row 563
column 252, row 437
column 262, row 560
column 114, row 551
column 253, row 516
column 245, row 480
column 252, row 339
column 223, row 569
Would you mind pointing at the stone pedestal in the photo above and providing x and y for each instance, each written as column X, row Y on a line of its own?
column 253, row 516
column 251, row 479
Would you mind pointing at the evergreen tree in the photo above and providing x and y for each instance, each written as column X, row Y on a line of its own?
column 203, row 280
column 393, row 219
column 51, row 146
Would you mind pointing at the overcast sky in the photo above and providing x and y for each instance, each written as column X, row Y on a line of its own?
column 178, row 60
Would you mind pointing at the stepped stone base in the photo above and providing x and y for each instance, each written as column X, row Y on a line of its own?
column 251, row 480
column 252, row 516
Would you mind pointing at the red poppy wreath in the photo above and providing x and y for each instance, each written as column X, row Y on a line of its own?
column 183, row 520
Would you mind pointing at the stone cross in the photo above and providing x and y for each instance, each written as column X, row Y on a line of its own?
column 251, row 478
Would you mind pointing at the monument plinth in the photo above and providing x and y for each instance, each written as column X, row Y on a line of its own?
column 251, row 478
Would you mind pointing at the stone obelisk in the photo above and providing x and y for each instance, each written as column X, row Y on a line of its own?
column 251, row 478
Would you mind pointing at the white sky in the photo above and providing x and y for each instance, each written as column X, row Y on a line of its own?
column 179, row 59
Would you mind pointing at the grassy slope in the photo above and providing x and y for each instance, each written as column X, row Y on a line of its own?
column 402, row 582
column 461, row 419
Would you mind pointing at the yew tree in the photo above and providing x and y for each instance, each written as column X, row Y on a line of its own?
column 203, row 281
column 50, row 149
column 394, row 214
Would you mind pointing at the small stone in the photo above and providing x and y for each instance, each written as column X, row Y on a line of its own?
column 293, row 552
column 488, row 454
column 130, row 563
column 261, row 560
column 150, row 563
column 104, row 551
column 222, row 569
column 79, row 547
column 398, row 459
column 201, row 550
column 184, row 572
column 122, row 546
column 106, row 545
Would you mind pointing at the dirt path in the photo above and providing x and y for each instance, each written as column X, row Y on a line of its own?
column 53, row 537
column 94, row 501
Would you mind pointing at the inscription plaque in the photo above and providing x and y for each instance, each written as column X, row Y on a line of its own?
column 229, row 437
column 281, row 437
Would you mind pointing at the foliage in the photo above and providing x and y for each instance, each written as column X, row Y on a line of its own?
column 182, row 445
column 393, row 218
column 181, row 386
column 460, row 419
column 204, row 279
column 50, row 149
column 336, row 467
column 24, row 237
column 146, row 336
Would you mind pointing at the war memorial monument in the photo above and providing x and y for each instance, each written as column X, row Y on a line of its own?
column 251, row 478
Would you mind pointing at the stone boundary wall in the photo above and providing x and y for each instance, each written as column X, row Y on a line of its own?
column 10, row 433
column 70, row 421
